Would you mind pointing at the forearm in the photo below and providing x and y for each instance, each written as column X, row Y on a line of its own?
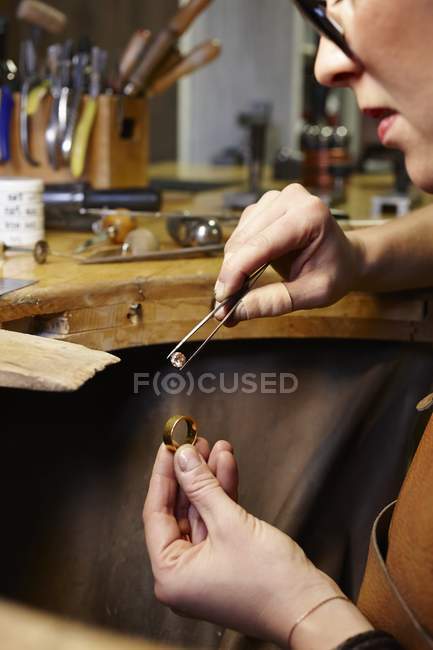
column 396, row 256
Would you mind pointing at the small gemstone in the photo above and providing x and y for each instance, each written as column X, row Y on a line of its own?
column 178, row 360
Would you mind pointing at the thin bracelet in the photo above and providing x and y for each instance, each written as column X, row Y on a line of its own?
column 311, row 611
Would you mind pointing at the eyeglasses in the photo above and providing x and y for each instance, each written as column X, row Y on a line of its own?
column 315, row 12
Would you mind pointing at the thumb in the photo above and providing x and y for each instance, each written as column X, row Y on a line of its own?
column 269, row 300
column 201, row 486
column 306, row 292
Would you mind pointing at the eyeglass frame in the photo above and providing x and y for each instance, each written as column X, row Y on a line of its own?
column 315, row 12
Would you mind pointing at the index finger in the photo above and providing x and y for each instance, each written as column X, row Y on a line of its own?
column 285, row 235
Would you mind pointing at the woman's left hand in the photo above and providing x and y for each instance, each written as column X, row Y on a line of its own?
column 214, row 561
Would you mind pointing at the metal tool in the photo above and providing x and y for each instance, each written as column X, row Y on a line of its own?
column 111, row 229
column 178, row 358
column 185, row 228
column 40, row 251
column 79, row 64
column 66, row 204
column 82, row 134
column 121, row 255
column 180, row 215
column 52, row 132
column 199, row 231
column 7, row 285
column 59, row 65
column 187, row 231
column 168, row 436
column 65, row 79
column 41, row 17
column 197, row 58
column 31, row 80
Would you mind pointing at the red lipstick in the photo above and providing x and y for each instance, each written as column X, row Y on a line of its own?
column 385, row 125
column 387, row 118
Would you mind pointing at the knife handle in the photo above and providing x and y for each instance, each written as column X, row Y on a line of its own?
column 42, row 15
column 170, row 61
column 162, row 44
column 197, row 58
column 187, row 14
column 155, row 53
column 132, row 54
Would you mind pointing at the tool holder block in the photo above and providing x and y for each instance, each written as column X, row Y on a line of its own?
column 118, row 152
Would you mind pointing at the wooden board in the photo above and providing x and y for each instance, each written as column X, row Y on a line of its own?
column 122, row 305
column 37, row 363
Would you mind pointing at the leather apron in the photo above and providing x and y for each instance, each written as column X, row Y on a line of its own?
column 397, row 590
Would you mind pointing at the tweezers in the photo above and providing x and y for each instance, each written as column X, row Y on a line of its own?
column 236, row 297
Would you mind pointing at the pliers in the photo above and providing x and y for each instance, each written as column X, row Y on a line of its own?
column 32, row 91
column 84, row 129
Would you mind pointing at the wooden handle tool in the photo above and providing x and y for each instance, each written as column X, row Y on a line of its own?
column 162, row 44
column 170, row 61
column 42, row 15
column 186, row 15
column 197, row 58
column 132, row 54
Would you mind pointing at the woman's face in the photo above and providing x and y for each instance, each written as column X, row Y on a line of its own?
column 393, row 77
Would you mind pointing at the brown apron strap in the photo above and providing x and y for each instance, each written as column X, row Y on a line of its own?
column 397, row 591
column 379, row 598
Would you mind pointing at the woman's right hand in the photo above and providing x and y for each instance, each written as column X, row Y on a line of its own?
column 295, row 232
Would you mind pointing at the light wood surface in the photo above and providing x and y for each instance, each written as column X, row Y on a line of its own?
column 116, row 306
column 37, row 363
column 122, row 305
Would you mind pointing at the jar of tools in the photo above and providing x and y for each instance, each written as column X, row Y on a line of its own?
column 21, row 211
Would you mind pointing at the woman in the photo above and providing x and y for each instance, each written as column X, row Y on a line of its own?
column 238, row 571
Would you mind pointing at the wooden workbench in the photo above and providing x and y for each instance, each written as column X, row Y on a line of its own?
column 117, row 306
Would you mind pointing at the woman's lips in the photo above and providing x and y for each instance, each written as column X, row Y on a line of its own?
column 384, row 126
column 387, row 118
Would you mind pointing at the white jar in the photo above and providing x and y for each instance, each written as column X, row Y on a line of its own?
column 21, row 211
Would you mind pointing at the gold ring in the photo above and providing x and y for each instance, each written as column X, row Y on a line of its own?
column 168, row 436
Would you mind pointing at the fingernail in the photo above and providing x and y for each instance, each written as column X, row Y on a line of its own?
column 219, row 290
column 188, row 458
column 220, row 313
